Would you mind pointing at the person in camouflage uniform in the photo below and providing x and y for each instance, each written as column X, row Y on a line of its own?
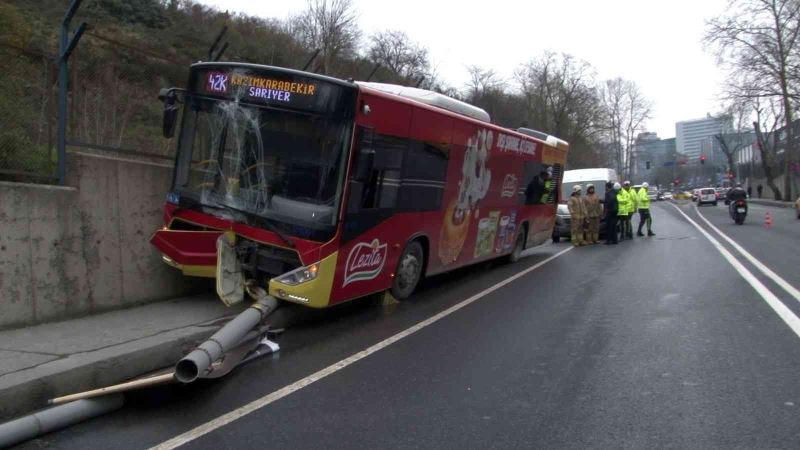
column 593, row 212
column 577, row 212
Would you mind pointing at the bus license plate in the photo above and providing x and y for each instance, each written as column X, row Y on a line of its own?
column 741, row 210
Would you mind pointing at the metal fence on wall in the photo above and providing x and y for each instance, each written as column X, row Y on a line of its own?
column 28, row 92
column 113, row 104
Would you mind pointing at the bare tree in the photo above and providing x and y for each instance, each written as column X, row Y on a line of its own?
column 329, row 25
column 482, row 82
column 626, row 112
column 768, row 119
column 757, row 41
column 393, row 50
column 561, row 94
column 732, row 140
column 487, row 90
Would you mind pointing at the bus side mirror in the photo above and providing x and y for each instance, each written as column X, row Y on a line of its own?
column 170, row 99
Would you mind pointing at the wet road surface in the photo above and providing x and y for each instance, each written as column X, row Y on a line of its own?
column 656, row 342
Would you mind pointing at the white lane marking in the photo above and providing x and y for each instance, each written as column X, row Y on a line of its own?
column 783, row 312
column 763, row 268
column 227, row 418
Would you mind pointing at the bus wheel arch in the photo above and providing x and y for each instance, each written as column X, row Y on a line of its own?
column 524, row 228
column 520, row 239
column 411, row 266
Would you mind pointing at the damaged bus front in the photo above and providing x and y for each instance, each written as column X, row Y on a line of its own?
column 258, row 179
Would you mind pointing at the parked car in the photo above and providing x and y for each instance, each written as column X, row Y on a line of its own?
column 706, row 196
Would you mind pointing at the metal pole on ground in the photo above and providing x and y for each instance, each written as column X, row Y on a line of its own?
column 51, row 419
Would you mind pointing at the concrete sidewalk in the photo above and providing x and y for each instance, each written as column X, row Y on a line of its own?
column 45, row 361
column 767, row 202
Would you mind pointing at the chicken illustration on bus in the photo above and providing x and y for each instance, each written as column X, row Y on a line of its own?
column 328, row 190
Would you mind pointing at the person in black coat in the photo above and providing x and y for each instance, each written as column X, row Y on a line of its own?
column 610, row 209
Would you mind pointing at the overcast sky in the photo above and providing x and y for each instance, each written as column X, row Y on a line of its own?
column 655, row 43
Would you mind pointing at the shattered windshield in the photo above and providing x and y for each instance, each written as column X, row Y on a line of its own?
column 274, row 163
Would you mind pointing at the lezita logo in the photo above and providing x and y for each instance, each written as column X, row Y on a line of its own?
column 365, row 261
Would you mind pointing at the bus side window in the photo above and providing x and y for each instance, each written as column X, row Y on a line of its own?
column 376, row 171
column 534, row 176
column 541, row 183
column 424, row 177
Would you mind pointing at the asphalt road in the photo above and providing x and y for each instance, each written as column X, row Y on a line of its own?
column 656, row 342
column 777, row 246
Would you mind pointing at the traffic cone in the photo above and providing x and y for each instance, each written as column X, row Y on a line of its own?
column 768, row 220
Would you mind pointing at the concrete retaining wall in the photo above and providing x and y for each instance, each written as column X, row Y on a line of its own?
column 70, row 251
column 767, row 192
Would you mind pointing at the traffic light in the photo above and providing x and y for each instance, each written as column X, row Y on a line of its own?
column 702, row 159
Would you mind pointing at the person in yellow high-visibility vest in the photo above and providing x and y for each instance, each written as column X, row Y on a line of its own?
column 623, row 213
column 632, row 206
column 644, row 211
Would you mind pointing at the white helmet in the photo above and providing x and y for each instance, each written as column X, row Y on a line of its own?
column 627, row 183
column 589, row 186
column 576, row 188
column 645, row 185
column 617, row 186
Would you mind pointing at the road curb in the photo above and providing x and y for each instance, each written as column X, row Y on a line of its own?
column 27, row 390
column 776, row 203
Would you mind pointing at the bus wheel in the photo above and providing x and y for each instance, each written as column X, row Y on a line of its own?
column 517, row 251
column 409, row 271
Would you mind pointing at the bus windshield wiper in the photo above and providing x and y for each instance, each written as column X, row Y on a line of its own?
column 267, row 224
column 274, row 228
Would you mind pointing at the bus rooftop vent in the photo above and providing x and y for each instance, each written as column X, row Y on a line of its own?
column 430, row 98
column 548, row 139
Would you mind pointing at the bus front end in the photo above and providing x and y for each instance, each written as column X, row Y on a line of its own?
column 258, row 181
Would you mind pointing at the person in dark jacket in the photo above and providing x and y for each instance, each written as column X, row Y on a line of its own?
column 610, row 207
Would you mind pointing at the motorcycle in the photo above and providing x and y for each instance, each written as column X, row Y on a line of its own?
column 737, row 210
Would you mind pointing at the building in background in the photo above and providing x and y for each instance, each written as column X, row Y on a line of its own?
column 690, row 134
column 651, row 153
column 715, row 156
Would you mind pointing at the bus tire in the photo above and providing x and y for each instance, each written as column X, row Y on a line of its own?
column 516, row 252
column 409, row 271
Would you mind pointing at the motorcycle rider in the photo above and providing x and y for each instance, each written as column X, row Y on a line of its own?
column 735, row 194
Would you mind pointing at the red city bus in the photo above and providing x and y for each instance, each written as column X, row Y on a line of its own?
column 320, row 190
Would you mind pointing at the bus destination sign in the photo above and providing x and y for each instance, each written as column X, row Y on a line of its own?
column 297, row 92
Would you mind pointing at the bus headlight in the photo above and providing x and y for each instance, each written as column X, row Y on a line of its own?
column 299, row 275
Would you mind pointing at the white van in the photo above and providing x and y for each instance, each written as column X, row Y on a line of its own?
column 598, row 177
